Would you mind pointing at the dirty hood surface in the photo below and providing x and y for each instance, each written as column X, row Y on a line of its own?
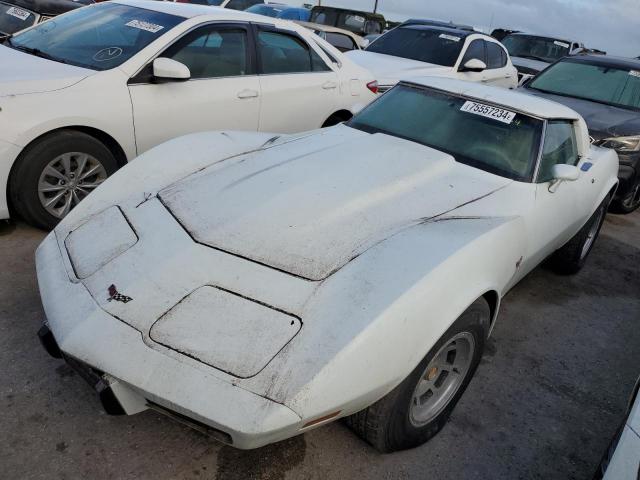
column 310, row 206
column 30, row 74
column 387, row 68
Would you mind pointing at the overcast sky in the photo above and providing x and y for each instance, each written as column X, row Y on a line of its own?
column 611, row 25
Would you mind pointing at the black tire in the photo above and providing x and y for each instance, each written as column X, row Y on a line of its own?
column 23, row 183
column 386, row 424
column 629, row 203
column 570, row 259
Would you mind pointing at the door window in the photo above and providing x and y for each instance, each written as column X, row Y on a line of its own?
column 496, row 57
column 560, row 146
column 340, row 41
column 212, row 52
column 475, row 50
column 283, row 53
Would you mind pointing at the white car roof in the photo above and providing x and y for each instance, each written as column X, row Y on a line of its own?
column 536, row 106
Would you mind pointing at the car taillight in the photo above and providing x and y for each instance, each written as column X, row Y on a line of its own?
column 373, row 86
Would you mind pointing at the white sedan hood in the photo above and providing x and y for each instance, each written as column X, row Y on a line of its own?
column 310, row 206
column 388, row 69
column 22, row 73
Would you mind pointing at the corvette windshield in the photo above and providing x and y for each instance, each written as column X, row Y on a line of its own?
column 536, row 48
column 485, row 136
column 438, row 47
column 98, row 37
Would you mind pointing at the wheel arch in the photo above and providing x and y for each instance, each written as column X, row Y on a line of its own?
column 337, row 117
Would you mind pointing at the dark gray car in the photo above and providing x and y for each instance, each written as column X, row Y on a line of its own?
column 606, row 92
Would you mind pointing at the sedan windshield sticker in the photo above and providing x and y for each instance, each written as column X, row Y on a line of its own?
column 634, row 73
column 146, row 26
column 18, row 13
column 495, row 113
column 444, row 36
column 561, row 44
column 107, row 54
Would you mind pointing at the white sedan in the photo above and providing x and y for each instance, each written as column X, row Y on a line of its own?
column 82, row 94
column 266, row 285
column 414, row 50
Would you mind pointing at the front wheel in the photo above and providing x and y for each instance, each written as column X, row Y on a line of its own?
column 629, row 203
column 419, row 407
column 55, row 173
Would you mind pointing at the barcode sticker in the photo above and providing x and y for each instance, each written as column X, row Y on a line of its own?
column 561, row 44
column 453, row 38
column 495, row 113
column 146, row 26
column 18, row 13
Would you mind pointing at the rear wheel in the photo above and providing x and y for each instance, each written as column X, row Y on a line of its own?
column 420, row 406
column 57, row 172
column 572, row 257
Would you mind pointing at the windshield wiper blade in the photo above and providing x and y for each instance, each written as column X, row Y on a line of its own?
column 37, row 52
column 533, row 57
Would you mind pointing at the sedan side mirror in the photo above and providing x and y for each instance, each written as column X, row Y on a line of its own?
column 474, row 65
column 169, row 70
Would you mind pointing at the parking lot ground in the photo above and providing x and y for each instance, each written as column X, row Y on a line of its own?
column 550, row 392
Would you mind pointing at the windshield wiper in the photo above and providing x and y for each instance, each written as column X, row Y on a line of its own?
column 35, row 51
column 533, row 57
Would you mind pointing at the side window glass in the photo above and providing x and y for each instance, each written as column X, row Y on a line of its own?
column 495, row 56
column 474, row 50
column 282, row 53
column 212, row 52
column 340, row 41
column 238, row 5
column 317, row 63
column 560, row 146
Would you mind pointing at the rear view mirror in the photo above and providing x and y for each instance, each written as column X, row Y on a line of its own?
column 564, row 172
column 167, row 70
column 474, row 65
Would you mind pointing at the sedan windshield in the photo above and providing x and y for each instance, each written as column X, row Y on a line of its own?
column 98, row 37
column 488, row 137
column 13, row 19
column 418, row 43
column 537, row 48
column 598, row 83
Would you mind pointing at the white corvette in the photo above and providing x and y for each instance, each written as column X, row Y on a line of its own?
column 82, row 94
column 265, row 285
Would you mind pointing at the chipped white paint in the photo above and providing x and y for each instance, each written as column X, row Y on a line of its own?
column 38, row 96
column 376, row 244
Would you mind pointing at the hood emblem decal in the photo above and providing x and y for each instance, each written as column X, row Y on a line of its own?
column 117, row 296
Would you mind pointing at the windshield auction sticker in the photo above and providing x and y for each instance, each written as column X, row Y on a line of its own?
column 561, row 44
column 444, row 36
column 146, row 26
column 634, row 73
column 495, row 113
column 18, row 13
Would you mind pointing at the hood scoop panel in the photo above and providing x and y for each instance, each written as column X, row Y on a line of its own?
column 308, row 208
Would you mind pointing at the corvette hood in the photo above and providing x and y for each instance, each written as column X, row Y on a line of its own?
column 388, row 69
column 310, row 206
column 31, row 74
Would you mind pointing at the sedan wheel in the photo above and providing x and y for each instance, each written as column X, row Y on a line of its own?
column 55, row 173
column 67, row 179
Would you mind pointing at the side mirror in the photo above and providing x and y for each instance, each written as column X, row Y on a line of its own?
column 365, row 43
column 564, row 172
column 474, row 65
column 168, row 70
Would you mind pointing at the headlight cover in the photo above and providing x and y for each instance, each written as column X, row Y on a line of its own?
column 621, row 144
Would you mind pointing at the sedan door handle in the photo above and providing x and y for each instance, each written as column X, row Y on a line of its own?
column 247, row 94
column 329, row 85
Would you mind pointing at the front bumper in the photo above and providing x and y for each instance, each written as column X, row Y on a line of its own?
column 8, row 155
column 115, row 359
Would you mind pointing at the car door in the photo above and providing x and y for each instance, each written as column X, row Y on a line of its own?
column 299, row 90
column 561, row 208
column 498, row 71
column 222, row 93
